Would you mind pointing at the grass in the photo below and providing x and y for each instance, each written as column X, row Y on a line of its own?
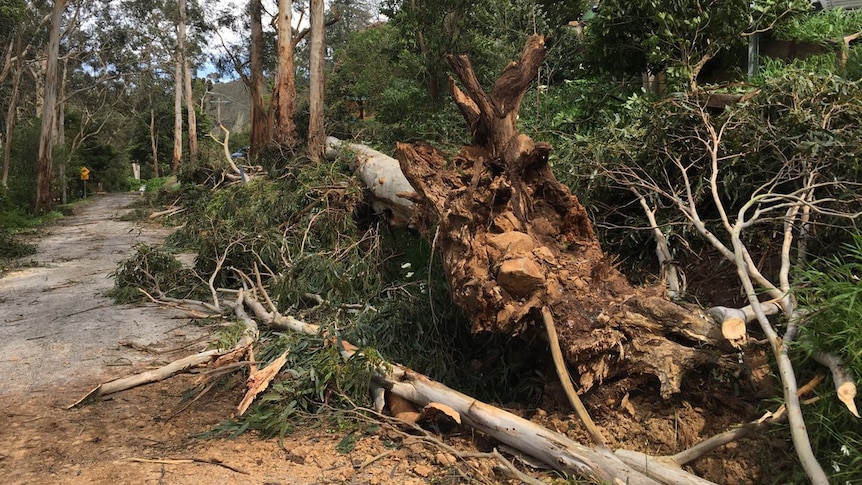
column 831, row 293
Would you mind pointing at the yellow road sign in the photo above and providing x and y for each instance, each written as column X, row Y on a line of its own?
column 85, row 173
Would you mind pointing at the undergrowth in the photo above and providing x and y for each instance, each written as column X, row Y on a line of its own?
column 831, row 293
column 154, row 270
column 326, row 258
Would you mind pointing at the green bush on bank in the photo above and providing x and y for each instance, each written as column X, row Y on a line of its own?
column 830, row 291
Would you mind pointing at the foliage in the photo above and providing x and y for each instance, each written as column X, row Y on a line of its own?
column 11, row 248
column 678, row 37
column 11, row 14
column 830, row 293
column 798, row 122
column 820, row 26
column 315, row 377
column 153, row 270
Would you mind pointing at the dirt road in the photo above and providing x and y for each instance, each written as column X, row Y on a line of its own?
column 60, row 337
column 58, row 329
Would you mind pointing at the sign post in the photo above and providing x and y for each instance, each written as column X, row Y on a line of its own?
column 85, row 175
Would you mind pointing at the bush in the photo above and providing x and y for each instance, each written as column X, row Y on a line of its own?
column 153, row 270
column 831, row 294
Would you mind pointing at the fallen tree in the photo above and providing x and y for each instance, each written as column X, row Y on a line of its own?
column 514, row 240
column 518, row 246
column 520, row 252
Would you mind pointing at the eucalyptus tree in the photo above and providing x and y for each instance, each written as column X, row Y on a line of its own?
column 282, row 106
column 316, row 133
column 14, row 18
column 261, row 131
column 183, row 55
column 45, row 158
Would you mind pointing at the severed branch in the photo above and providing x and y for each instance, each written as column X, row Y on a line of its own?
column 845, row 388
column 178, row 366
column 258, row 381
column 733, row 320
column 226, row 148
column 147, row 377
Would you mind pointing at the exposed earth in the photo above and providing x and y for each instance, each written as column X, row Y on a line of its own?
column 61, row 336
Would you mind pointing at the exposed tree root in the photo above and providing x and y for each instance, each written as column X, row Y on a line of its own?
column 566, row 380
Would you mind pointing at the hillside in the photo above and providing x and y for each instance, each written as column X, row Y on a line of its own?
column 229, row 103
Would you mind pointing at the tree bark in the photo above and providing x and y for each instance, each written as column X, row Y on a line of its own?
column 382, row 175
column 11, row 113
column 316, row 134
column 513, row 240
column 154, row 143
column 187, row 82
column 260, row 129
column 178, row 116
column 45, row 168
column 283, row 102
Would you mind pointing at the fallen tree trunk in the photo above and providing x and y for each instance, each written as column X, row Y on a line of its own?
column 554, row 449
column 381, row 174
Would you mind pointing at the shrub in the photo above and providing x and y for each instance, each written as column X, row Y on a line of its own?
column 831, row 293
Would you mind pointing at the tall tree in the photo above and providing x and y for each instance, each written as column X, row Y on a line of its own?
column 45, row 168
column 182, row 47
column 178, row 117
column 260, row 129
column 14, row 63
column 316, row 134
column 283, row 102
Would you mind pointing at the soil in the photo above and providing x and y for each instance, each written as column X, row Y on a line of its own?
column 62, row 336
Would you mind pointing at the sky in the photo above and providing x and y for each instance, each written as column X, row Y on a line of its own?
column 231, row 36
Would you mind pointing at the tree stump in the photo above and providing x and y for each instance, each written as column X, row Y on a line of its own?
column 513, row 240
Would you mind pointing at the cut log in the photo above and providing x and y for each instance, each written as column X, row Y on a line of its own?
column 845, row 387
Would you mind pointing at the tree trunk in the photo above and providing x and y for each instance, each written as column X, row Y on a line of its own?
column 60, row 133
column 11, row 113
column 283, row 102
column 45, row 168
column 260, row 130
column 382, row 175
column 154, row 145
column 178, row 116
column 316, row 134
column 514, row 240
column 187, row 81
